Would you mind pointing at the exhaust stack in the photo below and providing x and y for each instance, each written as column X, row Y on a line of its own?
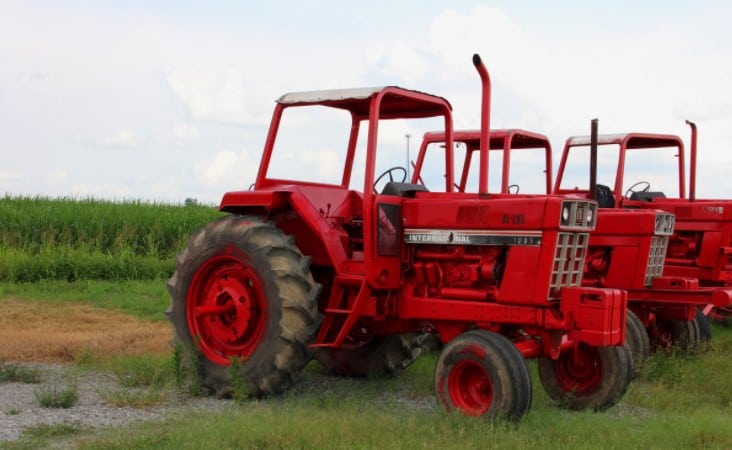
column 485, row 122
column 593, row 159
column 692, row 162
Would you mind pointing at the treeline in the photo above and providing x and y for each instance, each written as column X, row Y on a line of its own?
column 42, row 238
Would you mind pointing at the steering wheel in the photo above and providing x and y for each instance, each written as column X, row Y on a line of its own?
column 391, row 172
column 631, row 190
column 514, row 186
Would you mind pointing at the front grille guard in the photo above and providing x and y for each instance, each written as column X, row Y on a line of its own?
column 656, row 258
column 569, row 262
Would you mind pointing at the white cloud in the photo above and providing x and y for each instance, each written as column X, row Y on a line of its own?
column 10, row 176
column 227, row 97
column 58, row 176
column 179, row 134
column 227, row 169
column 123, row 139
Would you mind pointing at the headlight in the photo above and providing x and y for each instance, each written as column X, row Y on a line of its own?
column 565, row 214
column 665, row 224
column 590, row 215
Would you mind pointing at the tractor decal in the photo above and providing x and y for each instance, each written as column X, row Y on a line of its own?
column 471, row 237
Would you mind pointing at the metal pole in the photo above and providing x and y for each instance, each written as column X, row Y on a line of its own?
column 593, row 159
column 408, row 162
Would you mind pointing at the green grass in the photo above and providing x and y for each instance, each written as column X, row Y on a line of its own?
column 678, row 402
column 42, row 436
column 146, row 299
column 57, row 394
column 11, row 372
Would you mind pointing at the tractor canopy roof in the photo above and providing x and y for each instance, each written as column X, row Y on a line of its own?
column 519, row 138
column 396, row 102
column 629, row 140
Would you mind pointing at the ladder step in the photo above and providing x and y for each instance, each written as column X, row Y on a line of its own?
column 337, row 311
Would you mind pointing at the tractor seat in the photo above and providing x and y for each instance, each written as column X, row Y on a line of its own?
column 403, row 189
column 605, row 197
column 646, row 196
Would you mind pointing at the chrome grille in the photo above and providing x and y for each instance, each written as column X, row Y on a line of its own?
column 656, row 258
column 569, row 261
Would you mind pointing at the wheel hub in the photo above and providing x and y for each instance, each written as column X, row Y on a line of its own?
column 226, row 307
column 471, row 389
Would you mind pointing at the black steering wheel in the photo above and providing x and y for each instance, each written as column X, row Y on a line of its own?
column 513, row 186
column 391, row 172
column 632, row 190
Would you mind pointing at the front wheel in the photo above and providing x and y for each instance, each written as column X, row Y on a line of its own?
column 242, row 290
column 638, row 342
column 705, row 328
column 587, row 377
column 481, row 373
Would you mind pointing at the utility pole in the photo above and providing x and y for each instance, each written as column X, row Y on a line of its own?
column 408, row 164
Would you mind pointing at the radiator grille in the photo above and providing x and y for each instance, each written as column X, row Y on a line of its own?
column 656, row 258
column 569, row 261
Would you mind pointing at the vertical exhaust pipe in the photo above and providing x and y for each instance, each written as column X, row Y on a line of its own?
column 692, row 162
column 485, row 122
column 593, row 159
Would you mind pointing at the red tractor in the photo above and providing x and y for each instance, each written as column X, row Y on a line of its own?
column 701, row 245
column 626, row 250
column 356, row 276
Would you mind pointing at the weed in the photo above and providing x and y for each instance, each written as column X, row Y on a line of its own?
column 239, row 391
column 176, row 361
column 57, row 394
column 134, row 398
column 14, row 411
column 15, row 373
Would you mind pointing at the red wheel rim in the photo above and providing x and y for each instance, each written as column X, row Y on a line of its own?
column 225, row 309
column 470, row 387
column 579, row 370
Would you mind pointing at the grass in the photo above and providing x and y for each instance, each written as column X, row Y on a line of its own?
column 144, row 299
column 57, row 394
column 11, row 372
column 42, row 436
column 134, row 398
column 678, row 401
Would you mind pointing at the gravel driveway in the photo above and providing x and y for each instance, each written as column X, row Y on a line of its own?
column 19, row 408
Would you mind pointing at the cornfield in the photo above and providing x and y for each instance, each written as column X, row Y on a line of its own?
column 42, row 238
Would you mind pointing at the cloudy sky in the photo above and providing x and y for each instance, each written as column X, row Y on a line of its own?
column 164, row 100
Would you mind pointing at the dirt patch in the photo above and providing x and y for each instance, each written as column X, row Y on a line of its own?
column 62, row 333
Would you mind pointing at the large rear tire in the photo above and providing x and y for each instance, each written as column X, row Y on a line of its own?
column 372, row 356
column 242, row 290
column 587, row 377
column 481, row 373
column 638, row 342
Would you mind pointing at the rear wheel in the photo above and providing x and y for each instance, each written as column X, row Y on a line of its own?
column 242, row 290
column 587, row 377
column 679, row 334
column 481, row 373
column 372, row 356
column 638, row 342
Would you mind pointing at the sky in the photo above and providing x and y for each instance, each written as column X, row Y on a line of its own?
column 167, row 100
